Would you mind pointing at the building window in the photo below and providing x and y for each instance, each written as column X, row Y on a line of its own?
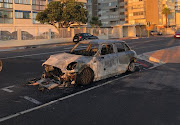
column 5, row 3
column 1, row 5
column 22, row 1
column 6, row 17
column 22, row 14
column 16, row 1
column 34, row 17
column 138, row 13
column 38, row 4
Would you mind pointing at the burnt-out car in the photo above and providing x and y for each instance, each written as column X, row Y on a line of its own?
column 90, row 61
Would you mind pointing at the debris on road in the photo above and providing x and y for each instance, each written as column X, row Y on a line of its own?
column 1, row 65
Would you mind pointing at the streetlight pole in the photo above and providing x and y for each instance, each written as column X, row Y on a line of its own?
column 140, row 29
column 148, row 25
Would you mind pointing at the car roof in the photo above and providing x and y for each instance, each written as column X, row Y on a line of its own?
column 101, row 41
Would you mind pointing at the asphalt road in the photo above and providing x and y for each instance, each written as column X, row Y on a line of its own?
column 148, row 97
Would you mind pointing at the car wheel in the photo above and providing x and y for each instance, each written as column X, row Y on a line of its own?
column 1, row 65
column 131, row 67
column 85, row 77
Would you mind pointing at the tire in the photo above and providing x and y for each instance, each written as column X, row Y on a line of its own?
column 1, row 65
column 85, row 77
column 131, row 67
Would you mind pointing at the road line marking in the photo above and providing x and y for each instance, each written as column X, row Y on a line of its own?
column 38, row 54
column 129, row 43
column 7, row 89
column 32, row 100
column 66, row 97
column 31, row 55
column 60, row 99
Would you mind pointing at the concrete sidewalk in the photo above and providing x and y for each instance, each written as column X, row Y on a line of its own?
column 10, row 44
column 25, row 43
column 22, row 43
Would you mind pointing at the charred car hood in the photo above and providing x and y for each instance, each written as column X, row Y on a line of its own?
column 62, row 60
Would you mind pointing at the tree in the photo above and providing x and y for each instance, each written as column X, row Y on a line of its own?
column 95, row 22
column 62, row 14
column 166, row 11
column 74, row 12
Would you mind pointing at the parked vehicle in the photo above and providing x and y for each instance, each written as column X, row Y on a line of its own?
column 83, row 36
column 1, row 65
column 155, row 33
column 177, row 34
column 89, row 61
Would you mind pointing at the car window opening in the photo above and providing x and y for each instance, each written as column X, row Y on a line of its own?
column 85, row 50
column 107, row 49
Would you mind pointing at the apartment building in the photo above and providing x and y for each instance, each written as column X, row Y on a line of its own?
column 137, row 12
column 177, row 5
column 92, row 7
column 177, row 10
column 111, row 12
column 22, row 13
column 171, row 17
column 142, row 11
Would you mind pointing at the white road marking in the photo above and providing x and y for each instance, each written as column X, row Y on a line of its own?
column 68, row 48
column 31, row 55
column 60, row 99
column 38, row 54
column 7, row 89
column 32, row 100
column 142, row 41
column 43, row 60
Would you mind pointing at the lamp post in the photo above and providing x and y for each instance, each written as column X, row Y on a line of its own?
column 148, row 25
column 140, row 29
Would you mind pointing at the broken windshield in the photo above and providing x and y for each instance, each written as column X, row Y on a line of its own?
column 85, row 49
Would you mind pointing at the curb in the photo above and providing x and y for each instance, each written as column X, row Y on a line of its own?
column 3, row 49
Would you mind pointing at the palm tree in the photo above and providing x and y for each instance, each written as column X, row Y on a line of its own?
column 166, row 11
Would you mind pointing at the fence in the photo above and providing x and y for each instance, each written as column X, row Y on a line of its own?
column 35, row 33
column 7, row 34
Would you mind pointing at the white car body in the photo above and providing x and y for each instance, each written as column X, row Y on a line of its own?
column 103, row 64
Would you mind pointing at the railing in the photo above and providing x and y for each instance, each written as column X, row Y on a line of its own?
column 34, row 33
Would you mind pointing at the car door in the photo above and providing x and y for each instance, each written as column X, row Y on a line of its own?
column 89, row 36
column 106, row 63
column 123, row 57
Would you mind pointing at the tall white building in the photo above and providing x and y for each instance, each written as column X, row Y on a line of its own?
column 177, row 9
